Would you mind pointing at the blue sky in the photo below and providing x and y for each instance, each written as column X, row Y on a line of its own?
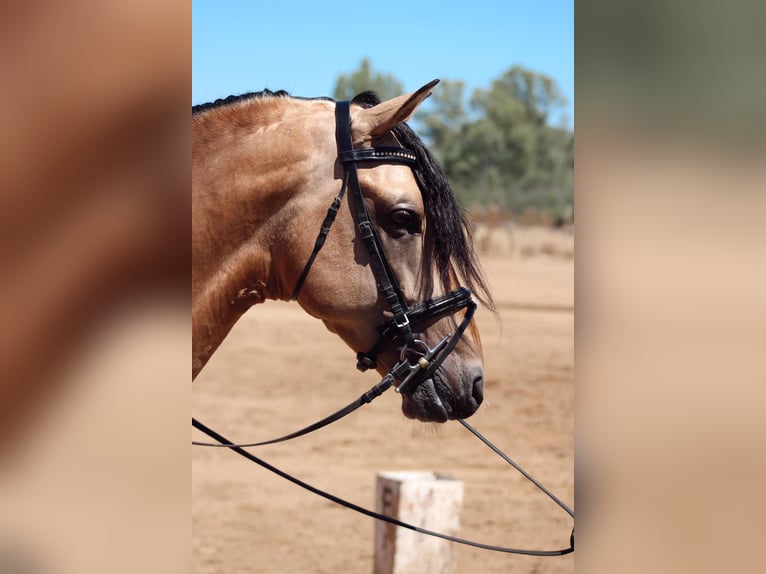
column 302, row 46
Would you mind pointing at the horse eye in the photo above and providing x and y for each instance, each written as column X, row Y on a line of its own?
column 405, row 219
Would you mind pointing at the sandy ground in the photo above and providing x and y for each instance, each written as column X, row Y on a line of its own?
column 279, row 370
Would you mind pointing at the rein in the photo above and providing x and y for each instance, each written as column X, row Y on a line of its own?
column 224, row 442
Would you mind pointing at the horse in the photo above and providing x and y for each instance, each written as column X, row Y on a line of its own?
column 389, row 278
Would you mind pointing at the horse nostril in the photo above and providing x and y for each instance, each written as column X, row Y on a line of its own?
column 477, row 390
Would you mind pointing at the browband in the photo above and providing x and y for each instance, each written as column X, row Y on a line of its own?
column 386, row 154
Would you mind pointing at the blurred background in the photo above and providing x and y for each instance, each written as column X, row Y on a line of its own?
column 94, row 377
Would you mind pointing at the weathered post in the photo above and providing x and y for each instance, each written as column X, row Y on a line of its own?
column 423, row 499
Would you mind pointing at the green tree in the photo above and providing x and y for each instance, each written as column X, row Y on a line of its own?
column 445, row 115
column 386, row 86
column 503, row 150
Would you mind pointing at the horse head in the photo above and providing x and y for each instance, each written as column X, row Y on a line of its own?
column 418, row 228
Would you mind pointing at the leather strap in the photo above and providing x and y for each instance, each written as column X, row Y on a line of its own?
column 367, row 397
column 431, row 310
column 385, row 154
column 323, row 231
column 387, row 283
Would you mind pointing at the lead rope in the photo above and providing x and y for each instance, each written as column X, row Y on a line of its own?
column 223, row 441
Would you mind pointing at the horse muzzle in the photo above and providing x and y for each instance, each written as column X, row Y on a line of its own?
column 436, row 400
column 434, row 385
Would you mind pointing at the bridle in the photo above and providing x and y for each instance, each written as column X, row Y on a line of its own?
column 417, row 361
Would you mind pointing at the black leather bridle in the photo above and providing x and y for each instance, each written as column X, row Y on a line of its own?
column 418, row 361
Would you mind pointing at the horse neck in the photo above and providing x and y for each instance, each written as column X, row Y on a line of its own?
column 244, row 173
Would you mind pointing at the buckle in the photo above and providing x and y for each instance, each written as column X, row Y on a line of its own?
column 365, row 362
column 405, row 324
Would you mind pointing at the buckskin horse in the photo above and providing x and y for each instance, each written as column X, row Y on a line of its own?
column 390, row 266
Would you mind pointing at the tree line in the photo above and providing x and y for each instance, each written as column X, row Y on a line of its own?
column 498, row 146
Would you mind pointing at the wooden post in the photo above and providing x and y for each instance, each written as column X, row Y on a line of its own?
column 423, row 499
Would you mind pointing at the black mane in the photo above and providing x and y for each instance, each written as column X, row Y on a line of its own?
column 448, row 233
column 198, row 109
column 221, row 102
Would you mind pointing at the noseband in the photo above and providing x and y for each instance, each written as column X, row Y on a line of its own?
column 418, row 361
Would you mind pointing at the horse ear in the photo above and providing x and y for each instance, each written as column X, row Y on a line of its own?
column 368, row 123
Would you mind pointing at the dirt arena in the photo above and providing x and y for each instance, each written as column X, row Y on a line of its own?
column 280, row 369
